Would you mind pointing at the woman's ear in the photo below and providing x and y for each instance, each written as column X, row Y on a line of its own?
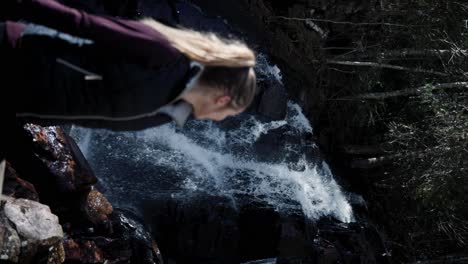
column 223, row 100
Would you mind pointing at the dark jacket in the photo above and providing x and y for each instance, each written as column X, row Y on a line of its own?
column 91, row 70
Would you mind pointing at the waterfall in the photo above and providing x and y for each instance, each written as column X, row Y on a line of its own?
column 221, row 159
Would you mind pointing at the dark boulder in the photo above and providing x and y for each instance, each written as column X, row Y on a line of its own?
column 82, row 251
column 62, row 157
column 131, row 240
column 273, row 101
column 16, row 187
column 96, row 207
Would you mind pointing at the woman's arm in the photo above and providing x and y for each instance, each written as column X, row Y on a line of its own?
column 129, row 38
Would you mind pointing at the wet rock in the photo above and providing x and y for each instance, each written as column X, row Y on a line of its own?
column 95, row 234
column 34, row 222
column 96, row 207
column 10, row 243
column 293, row 237
column 349, row 243
column 52, row 162
column 271, row 100
column 210, row 230
column 82, row 250
column 260, row 232
column 62, row 157
column 358, row 202
column 16, row 187
column 56, row 254
column 131, row 240
column 274, row 101
column 268, row 152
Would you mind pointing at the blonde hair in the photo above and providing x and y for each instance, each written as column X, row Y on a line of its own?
column 228, row 64
column 205, row 48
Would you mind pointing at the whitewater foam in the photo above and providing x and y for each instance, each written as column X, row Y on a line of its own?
column 203, row 157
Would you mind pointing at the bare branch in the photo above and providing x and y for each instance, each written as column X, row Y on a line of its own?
column 405, row 53
column 384, row 65
column 346, row 22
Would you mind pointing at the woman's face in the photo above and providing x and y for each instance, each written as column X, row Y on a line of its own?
column 214, row 106
column 210, row 103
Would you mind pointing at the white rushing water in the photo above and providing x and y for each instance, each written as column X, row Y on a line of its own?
column 265, row 69
column 206, row 158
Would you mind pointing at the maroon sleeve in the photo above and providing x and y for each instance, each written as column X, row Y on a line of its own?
column 13, row 32
column 129, row 38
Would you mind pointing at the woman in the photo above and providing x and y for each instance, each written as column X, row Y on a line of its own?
column 70, row 66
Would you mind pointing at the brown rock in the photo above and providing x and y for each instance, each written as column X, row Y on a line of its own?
column 62, row 157
column 84, row 251
column 56, row 254
column 16, row 187
column 72, row 249
column 96, row 207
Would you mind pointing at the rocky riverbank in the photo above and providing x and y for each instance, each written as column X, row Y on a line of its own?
column 53, row 212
